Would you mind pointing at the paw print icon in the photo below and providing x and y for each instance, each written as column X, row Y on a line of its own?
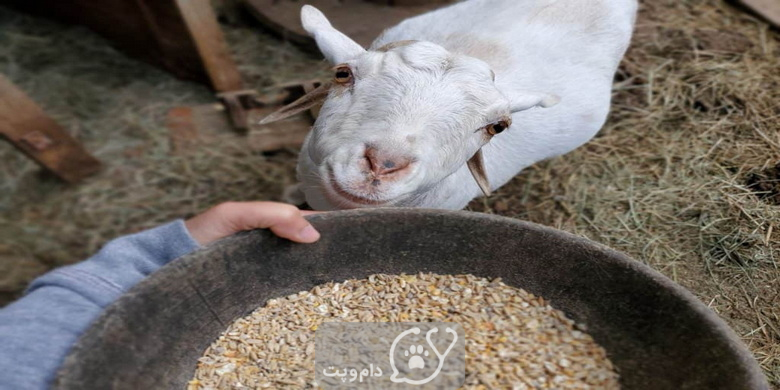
column 416, row 361
column 415, row 354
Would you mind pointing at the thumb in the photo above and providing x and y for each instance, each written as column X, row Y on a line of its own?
column 228, row 218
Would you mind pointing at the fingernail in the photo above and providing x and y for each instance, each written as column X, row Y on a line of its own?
column 308, row 234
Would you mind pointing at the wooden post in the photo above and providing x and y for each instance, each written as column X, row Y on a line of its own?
column 30, row 130
column 201, row 21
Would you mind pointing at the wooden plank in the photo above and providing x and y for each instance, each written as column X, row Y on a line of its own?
column 151, row 30
column 769, row 9
column 410, row 2
column 289, row 133
column 237, row 104
column 28, row 128
column 361, row 20
column 195, row 127
column 201, row 21
column 154, row 31
column 181, row 129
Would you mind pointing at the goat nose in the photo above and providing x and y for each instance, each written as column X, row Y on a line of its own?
column 385, row 165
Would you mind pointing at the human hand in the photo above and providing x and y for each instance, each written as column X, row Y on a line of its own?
column 232, row 217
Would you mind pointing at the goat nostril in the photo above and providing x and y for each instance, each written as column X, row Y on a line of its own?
column 376, row 183
column 382, row 165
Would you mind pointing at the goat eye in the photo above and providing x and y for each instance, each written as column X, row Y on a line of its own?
column 498, row 127
column 343, row 75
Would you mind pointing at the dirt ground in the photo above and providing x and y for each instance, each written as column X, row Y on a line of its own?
column 684, row 176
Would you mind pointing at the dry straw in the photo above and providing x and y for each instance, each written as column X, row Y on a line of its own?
column 695, row 113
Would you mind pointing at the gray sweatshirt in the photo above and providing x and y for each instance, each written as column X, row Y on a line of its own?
column 38, row 330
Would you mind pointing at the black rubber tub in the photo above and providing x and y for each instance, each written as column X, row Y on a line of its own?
column 657, row 333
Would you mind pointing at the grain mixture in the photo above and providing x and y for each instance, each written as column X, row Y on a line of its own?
column 515, row 340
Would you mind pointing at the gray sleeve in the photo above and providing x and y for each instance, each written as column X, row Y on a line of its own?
column 38, row 330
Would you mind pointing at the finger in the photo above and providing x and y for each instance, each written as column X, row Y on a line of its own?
column 283, row 219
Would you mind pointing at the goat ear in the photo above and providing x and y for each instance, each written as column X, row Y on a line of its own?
column 477, row 167
column 524, row 100
column 337, row 47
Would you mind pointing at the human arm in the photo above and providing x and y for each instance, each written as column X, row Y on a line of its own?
column 37, row 331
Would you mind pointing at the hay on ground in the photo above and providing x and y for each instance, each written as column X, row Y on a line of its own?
column 671, row 179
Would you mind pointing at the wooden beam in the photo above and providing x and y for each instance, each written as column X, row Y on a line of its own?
column 361, row 20
column 182, row 36
column 406, row 3
column 195, row 127
column 769, row 9
column 30, row 130
column 201, row 21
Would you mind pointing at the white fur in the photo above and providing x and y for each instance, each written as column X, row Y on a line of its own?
column 336, row 46
column 429, row 100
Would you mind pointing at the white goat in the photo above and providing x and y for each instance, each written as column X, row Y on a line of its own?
column 415, row 119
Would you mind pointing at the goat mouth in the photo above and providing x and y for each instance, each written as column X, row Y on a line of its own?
column 342, row 193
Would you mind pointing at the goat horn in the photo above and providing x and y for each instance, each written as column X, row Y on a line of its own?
column 476, row 165
column 304, row 103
